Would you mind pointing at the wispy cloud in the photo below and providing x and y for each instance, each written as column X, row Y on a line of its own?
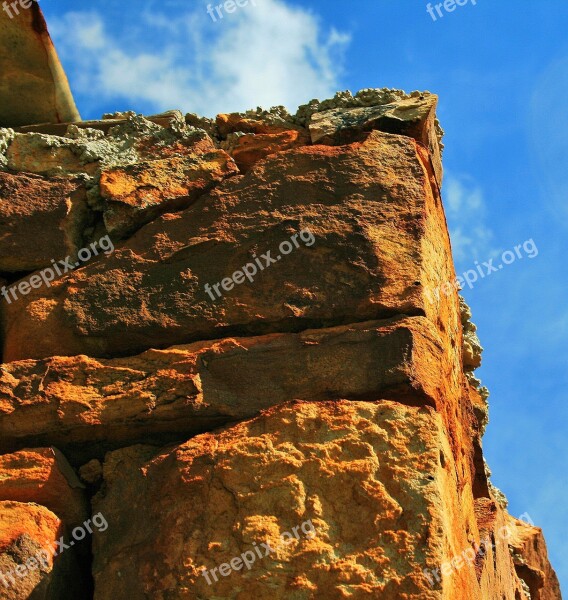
column 466, row 214
column 265, row 55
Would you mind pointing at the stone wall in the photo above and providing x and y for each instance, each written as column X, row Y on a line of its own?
column 223, row 371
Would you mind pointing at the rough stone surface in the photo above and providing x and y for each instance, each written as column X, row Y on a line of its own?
column 249, row 149
column 255, row 122
column 368, row 475
column 136, row 194
column 84, row 151
column 86, row 405
column 301, row 464
column 91, row 472
column 43, row 476
column 33, row 209
column 472, row 349
column 165, row 120
column 6, row 137
column 493, row 562
column 28, row 570
column 414, row 117
column 204, row 412
column 363, row 98
column 48, row 155
column 379, row 242
column 531, row 561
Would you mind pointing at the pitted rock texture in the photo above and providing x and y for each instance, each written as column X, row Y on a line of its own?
column 368, row 475
column 250, row 485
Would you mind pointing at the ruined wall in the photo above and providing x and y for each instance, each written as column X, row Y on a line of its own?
column 230, row 332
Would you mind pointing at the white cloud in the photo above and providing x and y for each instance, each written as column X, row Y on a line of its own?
column 265, row 55
column 465, row 211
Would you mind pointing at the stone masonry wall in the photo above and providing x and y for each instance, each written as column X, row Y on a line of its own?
column 223, row 375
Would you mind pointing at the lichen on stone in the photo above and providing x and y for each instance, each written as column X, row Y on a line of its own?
column 119, row 115
column 6, row 137
column 83, row 133
column 481, row 411
column 366, row 97
column 471, row 353
column 526, row 588
column 231, row 141
column 345, row 99
column 472, row 348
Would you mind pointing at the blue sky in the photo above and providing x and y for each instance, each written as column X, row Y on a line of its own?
column 501, row 71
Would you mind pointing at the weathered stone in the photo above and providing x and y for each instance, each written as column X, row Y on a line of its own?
column 205, row 123
column 43, row 476
column 472, row 349
column 33, row 87
column 28, row 536
column 480, row 407
column 91, row 472
column 34, row 209
column 6, row 137
column 165, row 120
column 376, row 479
column 266, row 123
column 170, row 143
column 491, row 553
column 379, row 240
column 344, row 126
column 368, row 97
column 414, row 117
column 248, row 149
column 345, row 99
column 531, row 561
column 85, row 150
column 137, row 194
column 48, row 155
column 87, row 405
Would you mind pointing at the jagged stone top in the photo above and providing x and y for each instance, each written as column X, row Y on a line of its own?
column 112, row 139
column 367, row 97
column 342, row 99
